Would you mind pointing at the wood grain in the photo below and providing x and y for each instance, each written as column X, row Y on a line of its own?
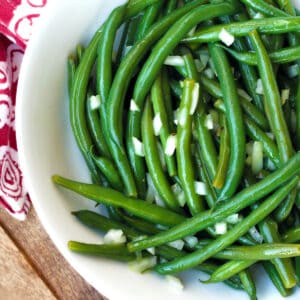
column 18, row 279
column 33, row 242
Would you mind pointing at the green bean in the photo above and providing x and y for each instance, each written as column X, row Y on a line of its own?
column 148, row 19
column 287, row 6
column 71, row 72
column 272, row 99
column 134, row 7
column 94, row 126
column 280, row 56
column 220, row 243
column 234, row 121
column 183, row 152
column 284, row 267
column 292, row 235
column 265, row 8
column 297, row 270
column 153, row 162
column 229, row 269
column 223, row 157
column 233, row 282
column 170, row 6
column 157, row 97
column 275, row 278
column 108, row 169
column 248, row 284
column 285, row 208
column 79, row 51
column 274, row 25
column 97, row 221
column 107, row 196
column 115, row 252
column 77, row 104
column 213, row 88
column 241, row 200
column 297, row 100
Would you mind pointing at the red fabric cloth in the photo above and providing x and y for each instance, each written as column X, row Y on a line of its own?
column 17, row 18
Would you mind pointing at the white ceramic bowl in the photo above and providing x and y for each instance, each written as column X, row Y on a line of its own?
column 46, row 147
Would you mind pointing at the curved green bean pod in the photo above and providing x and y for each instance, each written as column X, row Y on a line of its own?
column 71, row 72
column 107, row 196
column 153, row 162
column 183, row 152
column 241, row 200
column 77, row 104
column 263, row 210
column 234, row 121
column 274, row 25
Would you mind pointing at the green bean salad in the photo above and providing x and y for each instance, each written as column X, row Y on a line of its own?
column 187, row 114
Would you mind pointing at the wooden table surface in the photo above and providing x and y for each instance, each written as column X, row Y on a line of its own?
column 31, row 268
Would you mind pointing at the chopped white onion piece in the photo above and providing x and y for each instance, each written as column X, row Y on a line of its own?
column 134, row 106
column 244, row 94
column 257, row 157
column 270, row 135
column 171, row 144
column 226, row 37
column 293, row 71
column 233, row 219
column 180, row 196
column 95, row 102
column 192, row 31
column 138, row 147
column 157, row 124
column 191, row 241
column 151, row 250
column 256, row 235
column 114, row 236
column 258, row 16
column 178, row 244
column 159, row 201
column 221, row 228
column 182, row 116
column 195, row 98
column 209, row 122
column 285, row 94
column 200, row 188
column 259, row 87
column 161, row 156
column 204, row 57
column 143, row 264
column 174, row 282
column 209, row 73
column 150, row 195
column 199, row 65
column 174, row 60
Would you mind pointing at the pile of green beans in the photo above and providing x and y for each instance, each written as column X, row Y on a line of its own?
column 187, row 114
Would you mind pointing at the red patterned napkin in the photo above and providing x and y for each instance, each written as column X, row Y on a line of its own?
column 17, row 18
